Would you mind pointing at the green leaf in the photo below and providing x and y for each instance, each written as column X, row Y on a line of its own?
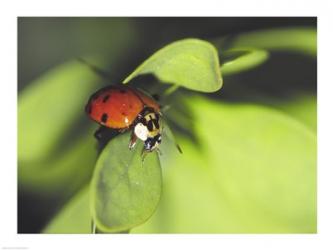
column 242, row 59
column 297, row 39
column 74, row 217
column 303, row 108
column 64, row 174
column 56, row 148
column 190, row 63
column 124, row 191
column 49, row 106
column 253, row 172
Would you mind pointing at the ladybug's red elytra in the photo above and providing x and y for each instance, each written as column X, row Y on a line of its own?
column 122, row 107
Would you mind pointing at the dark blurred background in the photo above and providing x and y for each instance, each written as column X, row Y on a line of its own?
column 46, row 42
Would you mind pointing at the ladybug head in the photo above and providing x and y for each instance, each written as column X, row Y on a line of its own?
column 152, row 143
column 148, row 129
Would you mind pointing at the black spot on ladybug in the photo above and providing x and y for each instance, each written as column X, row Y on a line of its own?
column 106, row 98
column 104, row 118
column 150, row 125
column 122, row 91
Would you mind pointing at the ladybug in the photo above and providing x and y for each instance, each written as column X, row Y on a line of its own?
column 122, row 107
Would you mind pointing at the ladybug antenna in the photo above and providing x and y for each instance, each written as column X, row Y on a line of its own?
column 98, row 71
column 169, row 134
column 179, row 148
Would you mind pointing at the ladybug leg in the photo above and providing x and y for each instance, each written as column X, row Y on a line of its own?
column 143, row 155
column 122, row 130
column 99, row 132
column 133, row 140
column 104, row 135
column 169, row 134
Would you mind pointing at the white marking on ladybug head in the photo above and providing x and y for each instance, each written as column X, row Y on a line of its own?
column 141, row 131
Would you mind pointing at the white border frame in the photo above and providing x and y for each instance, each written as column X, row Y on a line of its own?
column 8, row 90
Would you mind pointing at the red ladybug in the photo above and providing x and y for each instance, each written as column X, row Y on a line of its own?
column 122, row 107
